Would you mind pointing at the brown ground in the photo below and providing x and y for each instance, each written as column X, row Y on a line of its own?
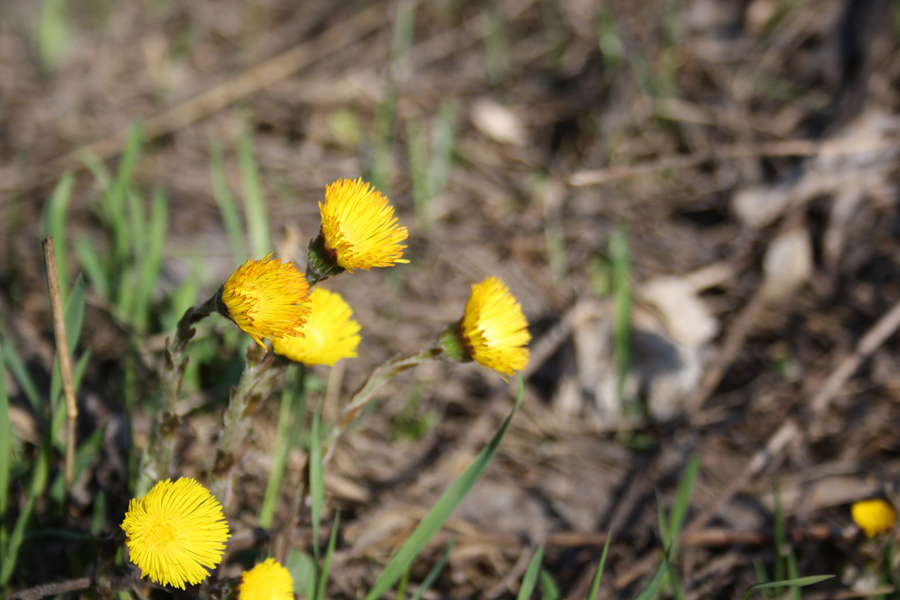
column 748, row 149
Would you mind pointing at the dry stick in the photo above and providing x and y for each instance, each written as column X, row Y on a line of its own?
column 62, row 353
column 220, row 96
column 781, row 148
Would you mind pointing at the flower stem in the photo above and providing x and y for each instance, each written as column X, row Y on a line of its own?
column 255, row 384
column 159, row 455
column 378, row 377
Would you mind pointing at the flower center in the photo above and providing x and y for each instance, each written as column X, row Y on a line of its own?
column 162, row 532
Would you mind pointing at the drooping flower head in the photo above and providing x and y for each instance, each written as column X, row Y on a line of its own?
column 266, row 581
column 176, row 532
column 874, row 517
column 359, row 229
column 330, row 333
column 493, row 331
column 267, row 299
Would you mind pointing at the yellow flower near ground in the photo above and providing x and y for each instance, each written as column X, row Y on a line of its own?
column 330, row 333
column 267, row 299
column 176, row 532
column 359, row 226
column 494, row 329
column 266, row 581
column 874, row 516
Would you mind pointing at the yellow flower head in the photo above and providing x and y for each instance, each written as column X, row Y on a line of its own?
column 330, row 332
column 266, row 581
column 494, row 329
column 874, row 516
column 267, row 299
column 175, row 532
column 359, row 226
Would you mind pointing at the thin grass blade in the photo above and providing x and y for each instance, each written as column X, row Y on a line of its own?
column 227, row 206
column 529, row 580
column 54, row 219
column 326, row 560
column 598, row 576
column 442, row 509
column 799, row 582
column 255, row 212
column 435, row 571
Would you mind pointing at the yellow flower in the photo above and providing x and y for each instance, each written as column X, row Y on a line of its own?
column 267, row 299
column 873, row 516
column 494, row 329
column 266, row 581
column 330, row 332
column 359, row 226
column 175, row 532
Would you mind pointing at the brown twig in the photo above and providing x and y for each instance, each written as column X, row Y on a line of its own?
column 780, row 148
column 62, row 353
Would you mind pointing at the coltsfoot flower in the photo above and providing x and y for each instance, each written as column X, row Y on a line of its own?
column 874, row 517
column 266, row 581
column 493, row 331
column 359, row 229
column 330, row 332
column 267, row 299
column 176, row 532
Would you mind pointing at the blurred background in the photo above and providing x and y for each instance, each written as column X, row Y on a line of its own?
column 694, row 200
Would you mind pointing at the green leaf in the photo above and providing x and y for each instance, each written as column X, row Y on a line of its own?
column 92, row 264
column 254, row 202
column 151, row 260
column 434, row 572
column 227, row 206
column 54, row 219
column 550, row 589
column 531, row 575
column 442, row 509
column 316, row 480
column 598, row 576
column 326, row 561
column 799, row 582
column 656, row 581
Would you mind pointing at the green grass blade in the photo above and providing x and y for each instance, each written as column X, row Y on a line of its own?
column 549, row 587
column 794, row 573
column 286, row 416
column 54, row 219
column 326, row 560
column 83, row 458
column 11, row 552
column 151, row 261
column 442, row 510
column 52, row 33
column 5, row 444
column 255, row 212
column 799, row 582
column 598, row 576
column 92, row 265
column 443, row 148
column 20, row 373
column 656, row 581
column 779, row 536
column 116, row 196
column 74, row 315
column 435, row 571
column 682, row 502
column 316, row 480
column 529, row 581
column 227, row 206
